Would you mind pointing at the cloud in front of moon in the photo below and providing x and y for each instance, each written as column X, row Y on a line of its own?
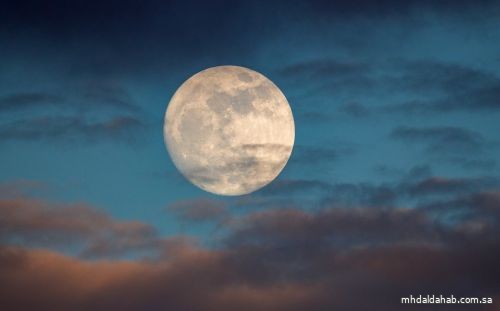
column 229, row 130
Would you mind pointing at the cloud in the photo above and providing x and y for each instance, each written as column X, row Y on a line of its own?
column 418, row 185
column 355, row 109
column 355, row 194
column 452, row 87
column 471, row 164
column 440, row 185
column 336, row 228
column 84, row 112
column 325, row 76
column 103, row 93
column 321, row 68
column 194, row 281
column 281, row 259
column 442, row 139
column 59, row 280
column 428, row 87
column 97, row 95
column 311, row 156
column 428, row 75
column 292, row 186
column 454, row 146
column 76, row 228
column 432, row 86
column 20, row 188
column 332, row 194
column 197, row 210
column 19, row 101
column 72, row 129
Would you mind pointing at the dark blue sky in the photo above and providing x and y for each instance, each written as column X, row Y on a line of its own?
column 396, row 107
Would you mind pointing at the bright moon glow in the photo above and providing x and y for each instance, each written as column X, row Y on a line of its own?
column 229, row 130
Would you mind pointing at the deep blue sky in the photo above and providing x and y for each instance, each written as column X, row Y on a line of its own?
column 396, row 106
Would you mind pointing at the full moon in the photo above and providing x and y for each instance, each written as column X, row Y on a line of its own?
column 229, row 130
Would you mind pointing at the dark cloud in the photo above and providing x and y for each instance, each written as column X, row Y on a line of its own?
column 21, row 101
column 324, row 68
column 418, row 172
column 440, row 185
column 356, row 194
column 471, row 215
column 315, row 156
column 279, row 259
column 472, row 164
column 314, row 194
column 442, row 139
column 86, row 230
column 431, row 86
column 418, row 185
column 94, row 111
column 72, row 129
column 452, row 87
column 293, row 186
column 199, row 210
column 386, row 170
column 355, row 109
column 334, row 194
column 110, row 95
column 320, row 77
column 443, row 77
column 333, row 228
column 481, row 99
column 436, row 184
column 434, row 86
column 95, row 95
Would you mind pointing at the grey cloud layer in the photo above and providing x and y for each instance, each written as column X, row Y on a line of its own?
column 95, row 111
column 436, row 87
column 72, row 129
column 442, row 139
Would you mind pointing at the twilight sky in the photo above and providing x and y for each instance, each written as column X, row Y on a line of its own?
column 393, row 187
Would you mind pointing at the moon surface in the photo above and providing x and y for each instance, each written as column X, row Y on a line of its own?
column 229, row 130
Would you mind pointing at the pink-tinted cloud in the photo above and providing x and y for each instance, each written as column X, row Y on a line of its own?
column 76, row 226
column 279, row 259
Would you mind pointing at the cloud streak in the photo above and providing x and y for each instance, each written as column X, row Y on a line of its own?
column 442, row 139
column 27, row 100
column 453, row 87
column 72, row 129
